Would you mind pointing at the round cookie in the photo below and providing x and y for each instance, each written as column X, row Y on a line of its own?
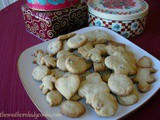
column 54, row 47
column 130, row 99
column 120, row 84
column 104, row 104
column 63, row 52
column 76, row 65
column 72, row 109
column 76, row 41
column 54, row 98
column 39, row 72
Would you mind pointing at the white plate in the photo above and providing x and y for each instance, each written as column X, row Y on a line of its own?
column 25, row 67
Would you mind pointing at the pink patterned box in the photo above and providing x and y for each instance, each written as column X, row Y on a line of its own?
column 126, row 17
column 48, row 25
column 50, row 5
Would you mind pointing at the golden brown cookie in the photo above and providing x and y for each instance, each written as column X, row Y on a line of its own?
column 144, row 77
column 104, row 104
column 53, row 98
column 68, row 85
column 76, row 65
column 120, row 85
column 66, row 36
column 72, row 109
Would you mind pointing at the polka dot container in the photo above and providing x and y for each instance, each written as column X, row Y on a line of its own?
column 126, row 17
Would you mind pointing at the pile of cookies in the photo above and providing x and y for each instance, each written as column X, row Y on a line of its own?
column 94, row 67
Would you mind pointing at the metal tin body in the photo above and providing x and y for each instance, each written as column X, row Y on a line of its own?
column 126, row 17
column 50, row 5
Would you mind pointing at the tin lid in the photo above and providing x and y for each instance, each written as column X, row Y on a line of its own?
column 118, row 9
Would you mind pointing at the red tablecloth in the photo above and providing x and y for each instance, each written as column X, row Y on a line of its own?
column 14, row 39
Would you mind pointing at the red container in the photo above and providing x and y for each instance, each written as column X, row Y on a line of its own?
column 48, row 25
column 49, row 5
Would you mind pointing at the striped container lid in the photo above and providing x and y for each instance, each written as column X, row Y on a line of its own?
column 118, row 9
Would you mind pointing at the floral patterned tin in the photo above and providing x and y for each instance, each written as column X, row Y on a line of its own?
column 48, row 25
column 126, row 17
column 49, row 5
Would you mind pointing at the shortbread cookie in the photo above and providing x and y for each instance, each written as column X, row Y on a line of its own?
column 111, row 49
column 116, row 44
column 102, row 48
column 54, row 47
column 75, row 52
column 65, row 46
column 57, row 73
column 54, row 98
column 66, row 36
column 104, row 104
column 94, row 55
column 122, row 63
column 68, row 85
column 76, row 97
column 130, row 99
column 120, row 85
column 94, row 77
column 97, row 37
column 102, row 37
column 99, row 66
column 84, row 50
column 38, row 55
column 76, row 65
column 62, row 53
column 61, row 62
column 144, row 62
column 86, row 88
column 144, row 78
column 105, row 75
column 72, row 109
column 39, row 72
column 47, row 84
column 76, row 41
column 48, row 61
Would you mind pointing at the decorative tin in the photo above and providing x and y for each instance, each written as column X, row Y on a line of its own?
column 49, row 5
column 126, row 17
column 47, row 25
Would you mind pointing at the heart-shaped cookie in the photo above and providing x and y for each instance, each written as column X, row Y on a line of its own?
column 68, row 85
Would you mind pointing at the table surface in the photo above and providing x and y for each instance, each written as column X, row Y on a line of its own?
column 14, row 39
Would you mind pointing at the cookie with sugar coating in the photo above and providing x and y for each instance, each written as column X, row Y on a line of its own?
column 104, row 104
column 130, row 99
column 54, row 47
column 76, row 41
column 39, row 72
column 68, row 85
column 120, row 85
column 76, row 65
column 72, row 109
column 53, row 98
